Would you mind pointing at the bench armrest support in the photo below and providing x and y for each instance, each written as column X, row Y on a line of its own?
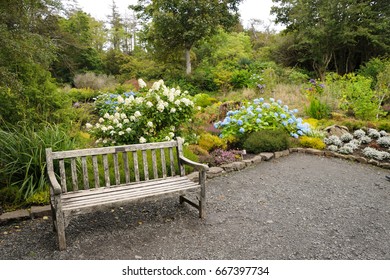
column 54, row 183
column 197, row 166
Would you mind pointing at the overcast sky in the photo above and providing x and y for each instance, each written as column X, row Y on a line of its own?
column 249, row 9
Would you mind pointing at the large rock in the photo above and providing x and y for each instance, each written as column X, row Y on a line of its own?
column 337, row 130
column 214, row 172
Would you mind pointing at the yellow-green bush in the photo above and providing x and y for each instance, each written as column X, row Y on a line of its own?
column 312, row 142
column 211, row 142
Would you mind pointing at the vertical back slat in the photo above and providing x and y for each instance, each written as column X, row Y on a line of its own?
column 63, row 175
column 106, row 170
column 85, row 173
column 126, row 165
column 163, row 164
column 145, row 162
column 180, row 153
column 74, row 174
column 136, row 168
column 116, row 170
column 172, row 162
column 96, row 171
column 154, row 161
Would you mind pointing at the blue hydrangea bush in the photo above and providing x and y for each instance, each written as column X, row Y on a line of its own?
column 259, row 115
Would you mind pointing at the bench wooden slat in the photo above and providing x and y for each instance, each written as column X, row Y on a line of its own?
column 96, row 171
column 106, row 171
column 112, row 150
column 74, row 174
column 116, row 170
column 126, row 166
column 146, row 167
column 163, row 163
column 136, row 167
column 85, row 173
column 134, row 185
column 124, row 196
column 63, row 175
column 154, row 163
column 172, row 163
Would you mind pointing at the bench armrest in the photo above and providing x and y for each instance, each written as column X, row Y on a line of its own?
column 54, row 183
column 196, row 165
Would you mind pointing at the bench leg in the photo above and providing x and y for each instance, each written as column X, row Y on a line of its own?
column 202, row 200
column 61, row 231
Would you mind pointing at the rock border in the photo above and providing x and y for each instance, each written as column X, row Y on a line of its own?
column 45, row 211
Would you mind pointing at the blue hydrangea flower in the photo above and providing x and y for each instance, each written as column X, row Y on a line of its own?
column 276, row 115
column 284, row 123
column 239, row 122
column 259, row 110
column 261, row 99
column 260, row 116
column 242, row 130
column 266, row 105
column 272, row 99
column 290, row 121
column 283, row 116
column 279, row 102
column 295, row 111
column 258, row 120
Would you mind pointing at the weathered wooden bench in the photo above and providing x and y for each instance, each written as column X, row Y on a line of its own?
column 87, row 180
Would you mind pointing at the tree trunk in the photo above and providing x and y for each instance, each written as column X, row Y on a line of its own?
column 188, row 62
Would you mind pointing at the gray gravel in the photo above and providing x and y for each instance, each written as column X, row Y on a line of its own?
column 297, row 207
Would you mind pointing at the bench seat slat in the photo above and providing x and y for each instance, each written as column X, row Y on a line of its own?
column 133, row 185
column 126, row 194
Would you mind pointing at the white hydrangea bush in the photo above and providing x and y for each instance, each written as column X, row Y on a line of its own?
column 150, row 115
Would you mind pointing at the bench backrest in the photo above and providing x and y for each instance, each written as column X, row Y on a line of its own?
column 114, row 166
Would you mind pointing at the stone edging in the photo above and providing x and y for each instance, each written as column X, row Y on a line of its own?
column 45, row 211
column 239, row 165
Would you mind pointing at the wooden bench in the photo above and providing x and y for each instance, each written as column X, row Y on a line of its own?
column 87, row 180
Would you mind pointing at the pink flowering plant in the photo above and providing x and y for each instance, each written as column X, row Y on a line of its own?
column 260, row 115
column 150, row 115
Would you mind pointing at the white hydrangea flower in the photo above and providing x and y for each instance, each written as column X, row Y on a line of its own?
column 167, row 138
column 106, row 116
column 120, row 99
column 101, row 120
column 128, row 130
column 123, row 116
column 121, row 133
column 150, row 124
column 88, row 125
column 142, row 140
column 132, row 118
column 171, row 134
column 149, row 104
column 141, row 83
column 137, row 114
column 126, row 121
column 173, row 110
column 119, row 125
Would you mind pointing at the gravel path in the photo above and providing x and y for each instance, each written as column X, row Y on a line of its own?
column 296, row 207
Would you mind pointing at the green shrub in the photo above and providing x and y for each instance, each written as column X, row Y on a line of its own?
column 312, row 142
column 211, row 142
column 10, row 197
column 318, row 109
column 267, row 141
column 204, row 100
column 22, row 155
